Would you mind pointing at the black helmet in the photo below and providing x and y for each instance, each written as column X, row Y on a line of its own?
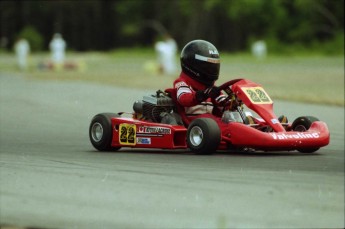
column 200, row 60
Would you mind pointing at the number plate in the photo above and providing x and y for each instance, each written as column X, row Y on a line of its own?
column 127, row 134
column 257, row 95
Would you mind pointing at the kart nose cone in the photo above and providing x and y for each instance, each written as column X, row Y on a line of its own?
column 97, row 132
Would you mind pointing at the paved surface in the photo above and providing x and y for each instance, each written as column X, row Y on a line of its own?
column 51, row 177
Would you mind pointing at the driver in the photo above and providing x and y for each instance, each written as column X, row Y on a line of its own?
column 195, row 89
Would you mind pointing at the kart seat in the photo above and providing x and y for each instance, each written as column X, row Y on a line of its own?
column 179, row 109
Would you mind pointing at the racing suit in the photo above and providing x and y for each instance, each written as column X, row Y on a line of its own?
column 186, row 90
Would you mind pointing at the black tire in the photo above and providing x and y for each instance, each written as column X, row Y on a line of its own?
column 302, row 124
column 203, row 136
column 101, row 132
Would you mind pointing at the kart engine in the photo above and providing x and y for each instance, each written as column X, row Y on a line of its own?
column 153, row 107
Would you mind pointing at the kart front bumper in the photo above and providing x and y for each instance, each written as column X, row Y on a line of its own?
column 240, row 135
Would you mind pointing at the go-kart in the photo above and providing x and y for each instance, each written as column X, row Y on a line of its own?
column 158, row 121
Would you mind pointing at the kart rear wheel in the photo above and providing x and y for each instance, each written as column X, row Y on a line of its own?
column 101, row 132
column 203, row 136
column 303, row 124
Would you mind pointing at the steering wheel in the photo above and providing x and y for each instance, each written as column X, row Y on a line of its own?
column 226, row 88
column 228, row 84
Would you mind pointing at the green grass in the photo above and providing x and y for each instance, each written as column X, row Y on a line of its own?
column 311, row 79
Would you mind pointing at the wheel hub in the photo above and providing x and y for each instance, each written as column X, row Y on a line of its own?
column 97, row 132
column 196, row 136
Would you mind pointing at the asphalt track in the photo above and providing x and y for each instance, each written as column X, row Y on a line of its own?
column 51, row 177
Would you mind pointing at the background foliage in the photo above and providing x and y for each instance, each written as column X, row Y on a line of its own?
column 230, row 24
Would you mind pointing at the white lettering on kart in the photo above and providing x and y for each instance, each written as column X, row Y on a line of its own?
column 154, row 130
column 277, row 136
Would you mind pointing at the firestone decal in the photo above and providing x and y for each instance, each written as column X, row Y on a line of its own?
column 277, row 136
column 154, row 130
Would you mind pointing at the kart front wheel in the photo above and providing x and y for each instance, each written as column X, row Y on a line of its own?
column 203, row 136
column 101, row 132
column 303, row 124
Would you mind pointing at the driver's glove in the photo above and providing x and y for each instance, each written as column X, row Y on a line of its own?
column 211, row 92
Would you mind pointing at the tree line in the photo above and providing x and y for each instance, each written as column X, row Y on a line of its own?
column 230, row 24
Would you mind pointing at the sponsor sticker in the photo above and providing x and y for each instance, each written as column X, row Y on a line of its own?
column 144, row 141
column 301, row 135
column 154, row 130
column 213, row 52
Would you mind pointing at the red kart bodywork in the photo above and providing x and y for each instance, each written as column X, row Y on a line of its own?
column 148, row 134
column 136, row 133
column 243, row 135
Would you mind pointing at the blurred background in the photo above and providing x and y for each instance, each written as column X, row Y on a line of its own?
column 231, row 24
column 275, row 42
column 62, row 62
